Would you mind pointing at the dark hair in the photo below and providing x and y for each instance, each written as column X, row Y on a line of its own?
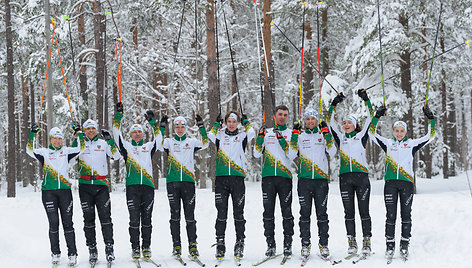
column 358, row 128
column 281, row 107
column 232, row 112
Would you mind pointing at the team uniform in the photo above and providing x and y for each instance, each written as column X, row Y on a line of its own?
column 139, row 182
column 56, row 189
column 399, row 180
column 354, row 177
column 276, row 180
column 230, row 174
column 180, row 181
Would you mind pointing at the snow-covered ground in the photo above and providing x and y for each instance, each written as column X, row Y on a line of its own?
column 442, row 229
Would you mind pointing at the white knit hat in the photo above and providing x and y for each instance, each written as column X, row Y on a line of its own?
column 90, row 123
column 180, row 121
column 135, row 127
column 352, row 119
column 312, row 112
column 400, row 124
column 55, row 132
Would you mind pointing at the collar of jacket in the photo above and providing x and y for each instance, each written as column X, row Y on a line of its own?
column 180, row 138
column 350, row 135
column 93, row 139
column 139, row 143
column 231, row 133
column 282, row 127
column 54, row 148
column 311, row 131
column 404, row 139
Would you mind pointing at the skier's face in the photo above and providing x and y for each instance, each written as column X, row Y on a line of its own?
column 180, row 130
column 311, row 122
column 56, row 142
column 90, row 132
column 281, row 116
column 348, row 126
column 231, row 124
column 137, row 135
column 399, row 133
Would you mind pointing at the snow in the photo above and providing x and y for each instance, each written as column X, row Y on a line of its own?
column 442, row 237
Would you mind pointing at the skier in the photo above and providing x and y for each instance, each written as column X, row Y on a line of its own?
column 353, row 172
column 181, row 181
column 399, row 177
column 56, row 188
column 276, row 178
column 230, row 173
column 139, row 181
column 312, row 146
column 93, row 187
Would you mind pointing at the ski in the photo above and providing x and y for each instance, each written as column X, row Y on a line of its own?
column 329, row 259
column 389, row 259
column 179, row 259
column 92, row 264
column 196, row 260
column 138, row 265
column 218, row 261
column 284, row 260
column 55, row 264
column 304, row 260
column 362, row 257
column 109, row 264
column 149, row 260
column 350, row 256
column 237, row 260
column 267, row 259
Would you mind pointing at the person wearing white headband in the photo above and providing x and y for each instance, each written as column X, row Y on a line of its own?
column 313, row 144
column 139, row 181
column 93, row 187
column 353, row 171
column 399, row 176
column 56, row 188
column 230, row 173
column 180, row 181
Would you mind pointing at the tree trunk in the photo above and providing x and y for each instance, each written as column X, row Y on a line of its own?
column 324, row 41
column 49, row 87
column 83, row 68
column 444, row 94
column 213, row 101
column 99, row 63
column 11, row 178
column 26, row 163
column 309, row 81
column 269, row 98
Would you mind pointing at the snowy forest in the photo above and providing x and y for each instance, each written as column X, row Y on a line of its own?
column 208, row 57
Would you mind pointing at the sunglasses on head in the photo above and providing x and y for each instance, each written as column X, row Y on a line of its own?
column 180, row 123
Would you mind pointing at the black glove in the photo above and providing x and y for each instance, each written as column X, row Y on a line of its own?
column 75, row 127
column 149, row 115
column 262, row 132
column 381, row 111
column 35, row 128
column 119, row 107
column 163, row 122
column 199, row 121
column 427, row 112
column 106, row 134
column 338, row 99
column 324, row 128
column 363, row 94
column 219, row 119
column 297, row 126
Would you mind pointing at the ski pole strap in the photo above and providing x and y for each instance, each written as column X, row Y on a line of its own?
column 47, row 68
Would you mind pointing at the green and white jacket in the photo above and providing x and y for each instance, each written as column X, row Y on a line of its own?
column 231, row 146
column 400, row 154
column 181, row 152
column 138, row 155
column 93, row 160
column 278, row 155
column 351, row 145
column 312, row 148
column 55, row 162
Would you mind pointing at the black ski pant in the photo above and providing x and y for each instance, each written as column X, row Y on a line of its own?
column 224, row 187
column 91, row 197
column 182, row 192
column 316, row 190
column 394, row 189
column 350, row 184
column 55, row 202
column 271, row 187
column 140, row 199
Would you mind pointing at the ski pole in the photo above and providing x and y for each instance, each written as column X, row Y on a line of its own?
column 301, row 68
column 196, row 55
column 47, row 68
column 381, row 57
column 232, row 60
column 434, row 51
column 256, row 6
column 319, row 55
column 309, row 62
column 119, row 67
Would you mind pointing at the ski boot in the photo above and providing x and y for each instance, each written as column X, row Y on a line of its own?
column 239, row 249
column 192, row 250
column 352, row 245
column 366, row 248
column 72, row 260
column 55, row 258
column 93, row 254
column 390, row 251
column 404, row 243
column 287, row 249
column 177, row 250
column 305, row 252
column 147, row 253
column 324, row 251
column 270, row 252
column 109, row 253
column 136, row 254
column 220, row 248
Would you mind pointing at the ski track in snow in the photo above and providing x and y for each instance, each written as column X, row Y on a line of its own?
column 441, row 234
